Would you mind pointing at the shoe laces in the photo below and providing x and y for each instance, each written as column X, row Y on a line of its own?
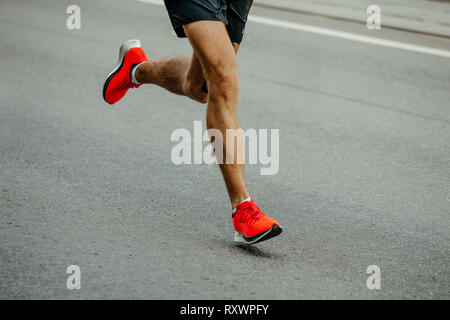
column 124, row 85
column 250, row 214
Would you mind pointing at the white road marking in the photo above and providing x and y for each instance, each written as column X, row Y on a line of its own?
column 337, row 34
column 158, row 2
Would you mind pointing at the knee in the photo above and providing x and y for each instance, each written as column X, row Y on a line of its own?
column 223, row 81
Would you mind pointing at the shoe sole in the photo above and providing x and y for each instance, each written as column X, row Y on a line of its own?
column 239, row 238
column 124, row 48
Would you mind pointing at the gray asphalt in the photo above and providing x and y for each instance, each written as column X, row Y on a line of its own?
column 364, row 165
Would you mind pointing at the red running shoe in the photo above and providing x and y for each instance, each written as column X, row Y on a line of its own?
column 119, row 80
column 252, row 225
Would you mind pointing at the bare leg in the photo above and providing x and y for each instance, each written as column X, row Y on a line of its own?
column 175, row 73
column 208, row 38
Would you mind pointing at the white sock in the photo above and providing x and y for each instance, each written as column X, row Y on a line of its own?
column 235, row 208
column 133, row 71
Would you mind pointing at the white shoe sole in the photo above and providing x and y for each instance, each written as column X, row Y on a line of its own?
column 239, row 238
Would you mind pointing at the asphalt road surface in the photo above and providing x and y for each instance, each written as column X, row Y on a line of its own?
column 363, row 175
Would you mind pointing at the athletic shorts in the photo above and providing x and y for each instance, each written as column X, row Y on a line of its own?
column 233, row 13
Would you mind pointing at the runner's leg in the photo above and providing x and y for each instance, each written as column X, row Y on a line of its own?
column 177, row 73
column 208, row 38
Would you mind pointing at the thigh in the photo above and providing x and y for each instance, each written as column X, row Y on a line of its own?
column 196, row 76
column 182, row 12
column 211, row 45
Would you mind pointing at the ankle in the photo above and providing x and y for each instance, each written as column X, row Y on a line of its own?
column 141, row 72
column 238, row 200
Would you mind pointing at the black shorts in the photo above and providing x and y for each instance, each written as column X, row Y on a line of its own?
column 233, row 13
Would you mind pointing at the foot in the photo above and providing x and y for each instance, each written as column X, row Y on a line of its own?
column 119, row 80
column 252, row 225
